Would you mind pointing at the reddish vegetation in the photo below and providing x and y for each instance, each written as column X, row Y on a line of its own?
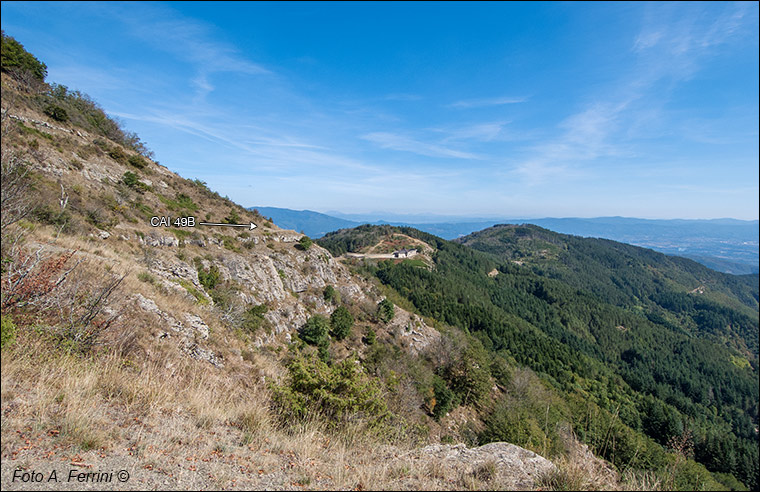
column 34, row 278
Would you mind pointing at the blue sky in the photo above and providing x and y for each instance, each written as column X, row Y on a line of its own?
column 497, row 109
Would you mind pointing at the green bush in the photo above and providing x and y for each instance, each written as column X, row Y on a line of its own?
column 7, row 331
column 469, row 375
column 341, row 323
column 444, row 400
column 385, row 311
column 57, row 113
column 335, row 393
column 729, row 481
column 232, row 218
column 47, row 215
column 315, row 330
column 181, row 201
column 146, row 277
column 130, row 179
column 137, row 161
column 331, row 295
column 501, row 371
column 210, row 278
column 118, row 154
column 253, row 317
column 371, row 337
column 223, row 295
column 514, row 424
column 304, row 243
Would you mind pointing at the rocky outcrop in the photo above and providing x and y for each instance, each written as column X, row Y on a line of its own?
column 412, row 330
column 156, row 240
column 513, row 467
column 256, row 273
column 193, row 329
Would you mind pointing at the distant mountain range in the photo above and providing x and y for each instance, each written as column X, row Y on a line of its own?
column 725, row 245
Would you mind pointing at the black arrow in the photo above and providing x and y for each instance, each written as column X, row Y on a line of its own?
column 250, row 225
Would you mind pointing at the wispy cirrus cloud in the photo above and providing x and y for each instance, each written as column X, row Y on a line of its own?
column 401, row 96
column 403, row 143
column 189, row 40
column 670, row 47
column 492, row 101
column 673, row 41
column 271, row 152
column 489, row 131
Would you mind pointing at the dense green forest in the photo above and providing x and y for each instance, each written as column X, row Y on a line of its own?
column 647, row 353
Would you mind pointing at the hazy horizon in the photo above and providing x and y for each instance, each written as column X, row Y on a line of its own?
column 485, row 110
column 382, row 213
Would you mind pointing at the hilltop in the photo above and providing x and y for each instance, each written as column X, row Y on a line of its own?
column 725, row 245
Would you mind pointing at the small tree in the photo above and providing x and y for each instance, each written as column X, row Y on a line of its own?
column 331, row 295
column 371, row 337
column 57, row 113
column 232, row 218
column 341, row 323
column 444, row 400
column 17, row 61
column 385, row 311
column 314, row 332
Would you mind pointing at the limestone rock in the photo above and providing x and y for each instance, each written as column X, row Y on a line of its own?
column 156, row 240
column 516, row 467
column 197, row 325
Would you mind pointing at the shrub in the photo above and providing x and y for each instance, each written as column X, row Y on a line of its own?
column 336, row 392
column 130, row 179
column 46, row 215
column 229, row 243
column 57, row 113
column 385, row 311
column 181, row 201
column 469, row 374
column 199, row 296
column 444, row 400
column 341, row 323
column 315, row 330
column 232, row 218
column 501, row 371
column 210, row 278
column 371, row 337
column 7, row 331
column 516, row 425
column 146, row 277
column 223, row 296
column 253, row 317
column 305, row 243
column 118, row 154
column 331, row 295
column 137, row 161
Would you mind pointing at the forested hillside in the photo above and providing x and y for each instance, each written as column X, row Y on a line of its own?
column 636, row 343
column 671, row 290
